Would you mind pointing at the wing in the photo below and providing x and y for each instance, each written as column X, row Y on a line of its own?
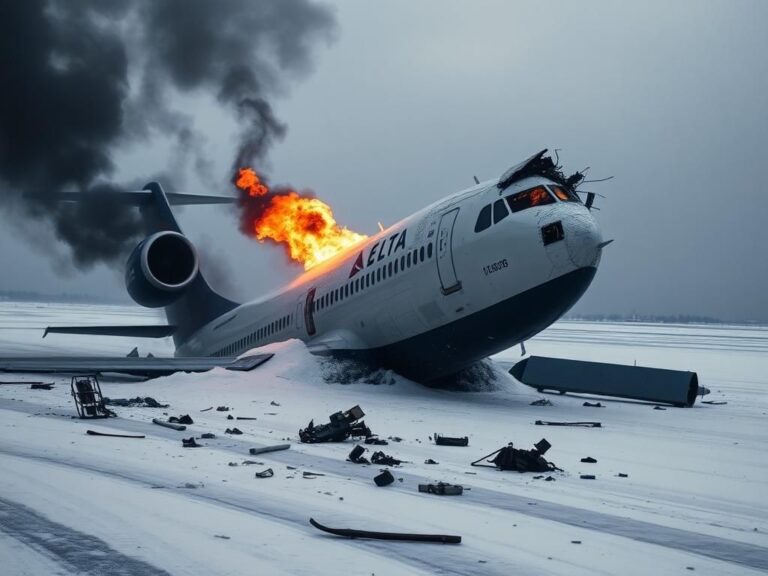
column 129, row 331
column 149, row 367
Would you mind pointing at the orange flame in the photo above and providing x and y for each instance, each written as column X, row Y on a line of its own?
column 303, row 224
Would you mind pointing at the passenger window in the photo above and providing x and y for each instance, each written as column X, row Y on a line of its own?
column 529, row 198
column 389, row 271
column 429, row 252
column 499, row 211
column 483, row 219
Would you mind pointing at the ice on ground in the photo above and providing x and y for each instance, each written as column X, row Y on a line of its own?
column 694, row 495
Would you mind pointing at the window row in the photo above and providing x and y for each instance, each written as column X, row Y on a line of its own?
column 537, row 196
column 256, row 337
column 397, row 265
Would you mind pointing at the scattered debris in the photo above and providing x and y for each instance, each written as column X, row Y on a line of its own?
column 376, row 440
column 451, row 441
column 221, row 536
column 207, row 409
column 245, row 418
column 542, row 402
column 384, row 479
column 190, row 443
column 659, row 408
column 442, row 489
column 233, row 464
column 208, row 436
column 710, row 402
column 395, row 438
column 356, row 455
column 94, row 433
column 138, row 402
column 177, row 427
column 430, row 461
column 273, row 448
column 575, row 541
column 622, row 475
column 510, row 458
column 235, row 431
column 342, row 425
column 222, row 409
column 582, row 424
column 273, row 403
column 589, row 460
column 185, row 419
column 350, row 533
column 268, row 473
column 309, row 474
column 384, row 460
column 549, row 479
column 587, row 476
column 41, row 386
column 593, row 405
column 230, row 417
column 249, row 462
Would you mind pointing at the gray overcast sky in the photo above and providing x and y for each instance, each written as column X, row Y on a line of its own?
column 413, row 98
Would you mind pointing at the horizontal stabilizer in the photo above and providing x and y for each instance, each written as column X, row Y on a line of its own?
column 127, row 331
column 144, row 198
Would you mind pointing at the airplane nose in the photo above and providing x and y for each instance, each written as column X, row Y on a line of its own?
column 584, row 240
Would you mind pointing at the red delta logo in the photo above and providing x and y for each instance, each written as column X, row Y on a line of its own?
column 358, row 266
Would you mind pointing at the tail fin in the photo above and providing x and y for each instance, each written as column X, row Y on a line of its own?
column 200, row 304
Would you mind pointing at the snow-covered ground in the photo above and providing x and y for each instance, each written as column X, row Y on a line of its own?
column 696, row 495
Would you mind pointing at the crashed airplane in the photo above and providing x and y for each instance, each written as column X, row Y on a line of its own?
column 475, row 273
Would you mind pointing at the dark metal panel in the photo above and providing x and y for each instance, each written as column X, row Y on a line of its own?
column 636, row 382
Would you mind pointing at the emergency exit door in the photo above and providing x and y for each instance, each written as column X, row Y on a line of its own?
column 446, row 270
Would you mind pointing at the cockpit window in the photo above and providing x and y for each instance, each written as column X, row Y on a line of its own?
column 529, row 198
column 499, row 211
column 564, row 194
column 483, row 219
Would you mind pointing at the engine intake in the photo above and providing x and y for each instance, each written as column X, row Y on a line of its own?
column 160, row 268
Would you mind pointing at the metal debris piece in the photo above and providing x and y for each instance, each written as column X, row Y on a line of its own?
column 582, row 424
column 208, row 436
column 185, row 419
column 172, row 426
column 356, row 455
column 41, row 386
column 308, row 474
column 138, row 402
column 207, row 409
column 268, row 473
column 442, row 489
column 273, row 448
column 511, row 458
column 189, row 443
column 451, row 441
column 222, row 409
column 593, row 405
column 89, row 402
column 273, row 403
column 541, row 402
column 342, row 425
column 622, row 475
column 430, row 461
column 350, row 533
column 376, row 441
column 589, row 460
column 659, row 408
column 710, row 402
column 384, row 459
column 245, row 418
column 587, row 476
column 395, row 438
column 384, row 479
column 233, row 431
column 636, row 382
column 94, row 433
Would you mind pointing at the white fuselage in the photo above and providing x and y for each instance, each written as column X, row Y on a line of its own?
column 430, row 294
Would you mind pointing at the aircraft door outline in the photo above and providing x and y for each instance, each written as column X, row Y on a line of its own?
column 446, row 270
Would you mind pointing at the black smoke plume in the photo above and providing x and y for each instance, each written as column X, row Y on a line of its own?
column 83, row 79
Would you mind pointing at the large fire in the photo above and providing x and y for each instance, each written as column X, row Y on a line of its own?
column 304, row 225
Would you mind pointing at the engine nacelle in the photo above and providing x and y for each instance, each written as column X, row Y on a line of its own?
column 160, row 268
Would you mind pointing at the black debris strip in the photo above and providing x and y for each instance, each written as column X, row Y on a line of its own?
column 342, row 425
column 442, row 489
column 511, row 458
column 138, row 402
column 441, row 440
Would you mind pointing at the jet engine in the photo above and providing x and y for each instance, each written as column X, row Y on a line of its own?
column 160, row 268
